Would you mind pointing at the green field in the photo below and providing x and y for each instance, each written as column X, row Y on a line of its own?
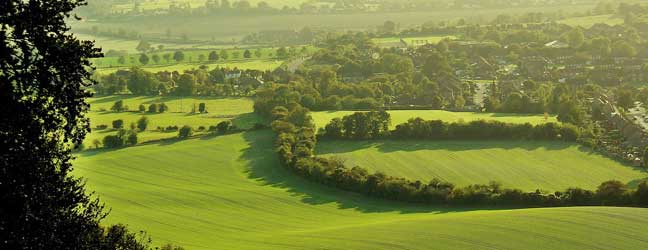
column 401, row 116
column 550, row 166
column 262, row 65
column 239, row 110
column 164, row 4
column 230, row 193
column 412, row 41
column 589, row 21
column 235, row 27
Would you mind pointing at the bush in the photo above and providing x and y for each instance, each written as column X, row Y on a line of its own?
column 118, row 124
column 171, row 128
column 153, row 108
column 185, row 132
column 202, row 108
column 224, row 126
column 118, row 106
column 112, row 141
column 142, row 108
column 201, row 128
column 102, row 127
column 163, row 108
column 142, row 123
column 259, row 126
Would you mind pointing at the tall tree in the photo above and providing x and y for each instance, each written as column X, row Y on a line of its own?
column 44, row 74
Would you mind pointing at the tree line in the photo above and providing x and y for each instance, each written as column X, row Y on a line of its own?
column 375, row 125
column 296, row 141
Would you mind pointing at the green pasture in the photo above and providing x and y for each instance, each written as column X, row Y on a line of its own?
column 528, row 165
column 589, row 21
column 228, row 192
column 262, row 65
column 322, row 118
column 235, row 27
column 238, row 110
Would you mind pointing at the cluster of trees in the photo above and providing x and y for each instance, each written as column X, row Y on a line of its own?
column 216, row 82
column 418, row 128
column 360, row 125
column 374, row 125
column 122, row 138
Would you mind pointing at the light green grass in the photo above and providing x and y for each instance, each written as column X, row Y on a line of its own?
column 589, row 21
column 262, row 65
column 238, row 110
column 411, row 40
column 224, row 28
column 401, row 116
column 229, row 192
column 550, row 166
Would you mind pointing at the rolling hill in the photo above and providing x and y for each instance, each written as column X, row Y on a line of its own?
column 229, row 192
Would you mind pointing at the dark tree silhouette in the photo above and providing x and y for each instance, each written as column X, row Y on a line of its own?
column 44, row 71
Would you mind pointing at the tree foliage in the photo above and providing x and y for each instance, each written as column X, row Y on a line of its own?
column 43, row 79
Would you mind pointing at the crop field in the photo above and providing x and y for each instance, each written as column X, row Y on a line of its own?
column 235, row 27
column 238, row 110
column 528, row 165
column 229, row 192
column 412, row 41
column 401, row 116
column 588, row 21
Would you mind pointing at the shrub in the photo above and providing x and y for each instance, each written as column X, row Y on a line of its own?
column 163, row 108
column 153, row 108
column 142, row 123
column 185, row 131
column 112, row 141
column 96, row 143
column 102, row 126
column 202, row 108
column 131, row 138
column 118, row 106
column 118, row 124
column 259, row 126
column 171, row 128
column 201, row 128
column 142, row 108
column 224, row 126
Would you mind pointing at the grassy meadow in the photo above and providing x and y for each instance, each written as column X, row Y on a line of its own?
column 528, row 165
column 589, row 21
column 261, row 59
column 238, row 110
column 262, row 65
column 401, row 116
column 229, row 192
column 235, row 27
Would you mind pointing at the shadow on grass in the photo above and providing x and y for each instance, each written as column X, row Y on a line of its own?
column 389, row 146
column 265, row 168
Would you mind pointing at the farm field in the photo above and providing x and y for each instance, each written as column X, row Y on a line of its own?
column 401, row 116
column 229, row 192
column 164, row 4
column 262, row 65
column 235, row 27
column 589, row 21
column 238, row 110
column 412, row 41
column 528, row 165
